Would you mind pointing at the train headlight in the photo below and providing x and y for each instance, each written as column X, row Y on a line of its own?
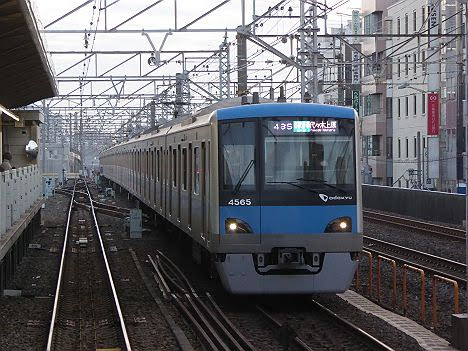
column 340, row 224
column 237, row 226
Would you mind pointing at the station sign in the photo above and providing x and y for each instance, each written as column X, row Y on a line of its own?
column 356, row 98
column 432, row 114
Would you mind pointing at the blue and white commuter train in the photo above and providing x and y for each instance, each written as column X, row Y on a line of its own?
column 270, row 192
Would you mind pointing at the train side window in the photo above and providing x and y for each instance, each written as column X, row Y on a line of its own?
column 174, row 167
column 184, row 168
column 196, row 170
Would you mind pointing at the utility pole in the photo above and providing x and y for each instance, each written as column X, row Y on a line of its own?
column 308, row 51
column 224, row 70
column 418, row 151
column 241, row 64
column 460, row 321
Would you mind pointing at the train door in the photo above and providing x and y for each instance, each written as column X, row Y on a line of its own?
column 189, row 186
column 206, row 186
column 160, row 177
column 178, row 181
column 170, row 178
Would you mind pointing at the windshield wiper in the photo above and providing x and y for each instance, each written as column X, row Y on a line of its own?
column 242, row 178
column 324, row 182
column 296, row 185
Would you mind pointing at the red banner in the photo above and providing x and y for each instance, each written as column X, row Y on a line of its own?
column 432, row 114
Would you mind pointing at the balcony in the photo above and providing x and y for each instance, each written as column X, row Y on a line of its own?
column 374, row 123
column 379, row 166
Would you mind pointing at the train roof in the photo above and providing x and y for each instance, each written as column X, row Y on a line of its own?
column 231, row 109
column 285, row 110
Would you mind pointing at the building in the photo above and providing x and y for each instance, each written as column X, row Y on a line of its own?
column 423, row 76
column 376, row 106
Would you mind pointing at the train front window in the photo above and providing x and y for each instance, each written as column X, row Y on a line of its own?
column 309, row 155
column 237, row 142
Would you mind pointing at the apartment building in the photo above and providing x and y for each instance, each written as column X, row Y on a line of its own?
column 423, row 69
column 376, row 107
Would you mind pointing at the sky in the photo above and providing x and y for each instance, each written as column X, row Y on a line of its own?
column 161, row 16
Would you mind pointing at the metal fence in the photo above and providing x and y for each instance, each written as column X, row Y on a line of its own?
column 19, row 189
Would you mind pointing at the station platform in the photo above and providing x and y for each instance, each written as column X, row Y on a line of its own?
column 425, row 338
column 20, row 217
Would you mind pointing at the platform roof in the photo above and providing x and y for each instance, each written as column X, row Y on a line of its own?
column 26, row 75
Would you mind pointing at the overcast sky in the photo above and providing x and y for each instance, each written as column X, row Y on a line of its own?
column 161, row 16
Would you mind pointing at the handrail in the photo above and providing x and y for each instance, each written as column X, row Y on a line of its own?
column 423, row 302
column 456, row 306
column 393, row 263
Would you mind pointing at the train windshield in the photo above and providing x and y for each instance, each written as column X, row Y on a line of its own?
column 309, row 155
column 238, row 155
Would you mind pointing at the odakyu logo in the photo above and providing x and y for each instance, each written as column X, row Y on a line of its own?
column 325, row 198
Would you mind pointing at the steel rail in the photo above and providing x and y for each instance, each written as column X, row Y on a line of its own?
column 60, row 275
column 409, row 253
column 299, row 342
column 109, row 274
column 371, row 339
column 212, row 324
column 437, row 229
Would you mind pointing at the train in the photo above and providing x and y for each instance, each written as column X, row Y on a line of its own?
column 270, row 192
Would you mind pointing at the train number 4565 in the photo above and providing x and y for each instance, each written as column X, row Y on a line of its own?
column 240, row 202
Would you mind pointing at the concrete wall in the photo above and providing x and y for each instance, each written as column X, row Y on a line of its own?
column 423, row 204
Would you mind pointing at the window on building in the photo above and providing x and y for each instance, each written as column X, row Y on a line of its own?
column 372, row 104
column 414, row 105
column 398, row 26
column 373, row 22
column 399, row 68
column 389, row 147
column 423, row 61
column 406, row 65
column 388, row 107
column 414, row 147
column 415, row 59
column 423, row 17
column 407, row 147
column 399, row 183
column 424, row 142
column 373, row 145
column 406, row 106
column 414, row 21
column 399, row 148
column 423, row 103
column 407, row 183
column 406, row 24
column 399, row 107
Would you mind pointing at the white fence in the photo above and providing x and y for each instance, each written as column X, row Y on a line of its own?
column 19, row 189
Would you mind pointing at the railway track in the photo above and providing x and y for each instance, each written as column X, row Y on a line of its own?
column 214, row 329
column 217, row 332
column 329, row 330
column 86, row 313
column 430, row 228
column 100, row 207
column 429, row 263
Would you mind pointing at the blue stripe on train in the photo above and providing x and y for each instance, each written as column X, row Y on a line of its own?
column 287, row 219
column 285, row 110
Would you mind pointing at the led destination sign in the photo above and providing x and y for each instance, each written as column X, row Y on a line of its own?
column 312, row 127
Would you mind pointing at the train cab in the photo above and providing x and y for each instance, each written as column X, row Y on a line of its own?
column 289, row 198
